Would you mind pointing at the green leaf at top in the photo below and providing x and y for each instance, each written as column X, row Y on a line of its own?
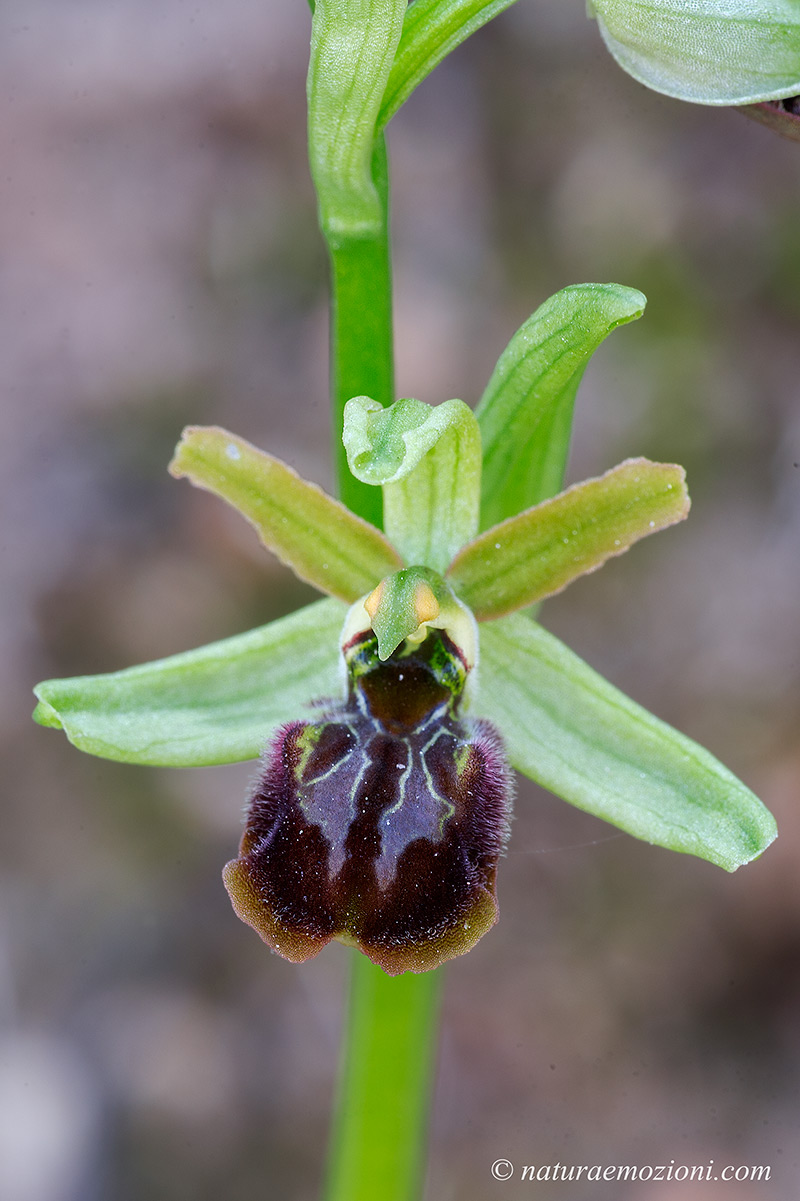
column 525, row 414
column 321, row 540
column 540, row 551
column 575, row 734
column 217, row 704
column 353, row 44
column 706, row 51
column 428, row 459
column 432, row 29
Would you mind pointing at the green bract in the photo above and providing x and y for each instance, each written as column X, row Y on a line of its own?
column 431, row 30
column 563, row 725
column 707, row 51
column 352, row 50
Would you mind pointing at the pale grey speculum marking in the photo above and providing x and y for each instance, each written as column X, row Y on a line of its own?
column 333, row 799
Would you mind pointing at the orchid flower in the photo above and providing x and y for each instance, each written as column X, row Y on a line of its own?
column 389, row 713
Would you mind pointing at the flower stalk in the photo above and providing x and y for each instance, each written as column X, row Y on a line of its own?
column 379, row 1132
column 353, row 46
column 380, row 1124
column 362, row 342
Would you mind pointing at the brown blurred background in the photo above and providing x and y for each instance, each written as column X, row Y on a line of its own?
column 160, row 264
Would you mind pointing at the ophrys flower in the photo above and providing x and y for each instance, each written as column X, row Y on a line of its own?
column 383, row 803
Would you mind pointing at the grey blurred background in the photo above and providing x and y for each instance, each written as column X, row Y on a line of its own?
column 160, row 264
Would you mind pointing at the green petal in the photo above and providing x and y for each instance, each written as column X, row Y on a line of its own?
column 428, row 459
column 706, row 51
column 571, row 731
column 525, row 414
column 217, row 704
column 539, row 552
column 353, row 44
column 321, row 540
column 431, row 30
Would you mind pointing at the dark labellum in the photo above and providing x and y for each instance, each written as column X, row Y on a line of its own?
column 382, row 822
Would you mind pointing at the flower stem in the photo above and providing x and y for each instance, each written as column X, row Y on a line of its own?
column 377, row 1145
column 379, row 1130
column 379, row 1134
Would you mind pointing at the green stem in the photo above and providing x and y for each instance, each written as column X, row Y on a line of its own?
column 378, row 1141
column 362, row 345
column 379, row 1134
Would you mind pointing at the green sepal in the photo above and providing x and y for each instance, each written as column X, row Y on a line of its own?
column 736, row 52
column 353, row 44
column 525, row 413
column 540, row 551
column 578, row 736
column 317, row 536
column 216, row 704
column 428, row 460
column 432, row 29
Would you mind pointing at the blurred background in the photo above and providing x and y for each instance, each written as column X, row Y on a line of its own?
column 160, row 265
